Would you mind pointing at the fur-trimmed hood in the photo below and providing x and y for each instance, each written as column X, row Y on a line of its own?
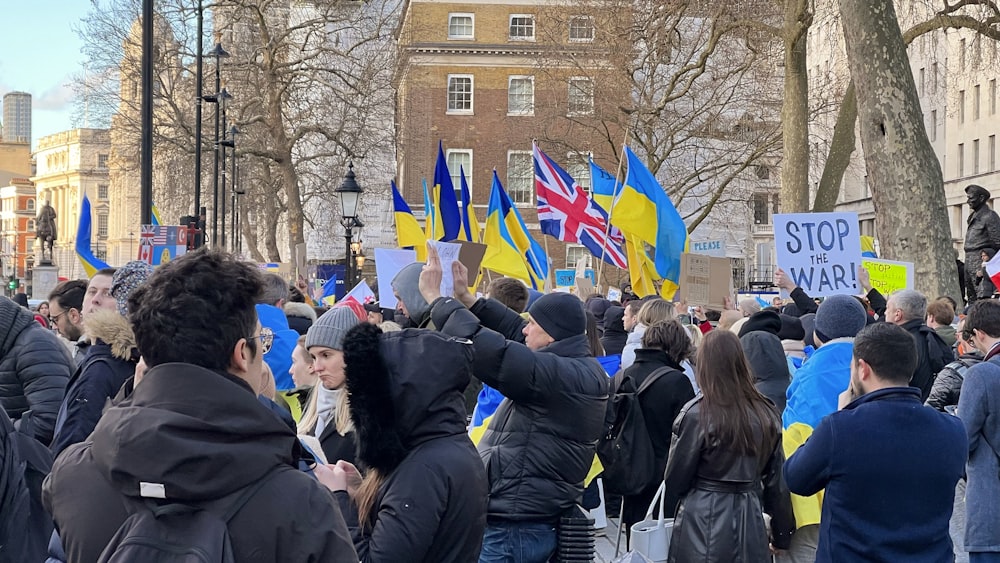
column 397, row 401
column 293, row 309
column 112, row 329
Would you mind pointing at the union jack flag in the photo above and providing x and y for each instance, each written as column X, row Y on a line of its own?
column 566, row 212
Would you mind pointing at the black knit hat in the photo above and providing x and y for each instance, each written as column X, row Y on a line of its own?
column 791, row 328
column 560, row 315
column 767, row 321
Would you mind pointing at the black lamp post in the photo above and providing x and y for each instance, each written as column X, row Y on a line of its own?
column 218, row 99
column 231, row 143
column 199, row 74
column 350, row 195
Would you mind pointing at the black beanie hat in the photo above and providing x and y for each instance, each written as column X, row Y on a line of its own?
column 560, row 315
column 767, row 321
column 791, row 328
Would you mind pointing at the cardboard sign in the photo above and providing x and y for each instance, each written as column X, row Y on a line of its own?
column 471, row 255
column 820, row 252
column 388, row 263
column 715, row 248
column 889, row 276
column 567, row 277
column 705, row 281
column 584, row 287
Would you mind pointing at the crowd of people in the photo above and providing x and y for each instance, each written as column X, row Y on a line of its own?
column 208, row 407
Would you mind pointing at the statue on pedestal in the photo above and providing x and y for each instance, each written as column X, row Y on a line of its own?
column 45, row 231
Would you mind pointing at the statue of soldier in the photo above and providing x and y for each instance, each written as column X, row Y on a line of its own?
column 45, row 228
column 983, row 232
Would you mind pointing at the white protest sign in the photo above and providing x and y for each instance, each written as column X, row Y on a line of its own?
column 448, row 252
column 820, row 252
column 388, row 263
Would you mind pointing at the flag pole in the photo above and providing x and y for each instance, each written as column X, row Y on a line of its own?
column 615, row 194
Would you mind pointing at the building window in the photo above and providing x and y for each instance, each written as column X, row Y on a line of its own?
column 31, row 225
column 975, row 102
column 961, row 160
column 520, row 177
column 460, row 93
column 923, row 78
column 993, row 152
column 761, row 209
column 102, row 161
column 975, row 156
column 459, row 160
column 581, row 28
column 461, row 26
column 574, row 252
column 961, row 106
column 934, row 77
column 30, row 204
column 102, row 191
column 578, row 167
column 993, row 96
column 521, row 95
column 933, row 125
column 961, row 54
column 522, row 27
column 102, row 225
column 581, row 96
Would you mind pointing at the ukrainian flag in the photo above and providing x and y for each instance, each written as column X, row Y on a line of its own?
column 432, row 223
column 470, row 225
column 510, row 249
column 868, row 247
column 91, row 264
column 644, row 211
column 641, row 269
column 408, row 231
column 155, row 217
column 447, row 203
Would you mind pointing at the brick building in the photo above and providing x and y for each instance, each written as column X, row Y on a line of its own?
column 17, row 228
column 486, row 78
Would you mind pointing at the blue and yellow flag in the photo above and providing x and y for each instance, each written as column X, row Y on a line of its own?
column 432, row 222
column 644, row 211
column 444, row 197
column 91, row 264
column 510, row 249
column 155, row 216
column 641, row 270
column 868, row 247
column 603, row 186
column 408, row 231
column 470, row 224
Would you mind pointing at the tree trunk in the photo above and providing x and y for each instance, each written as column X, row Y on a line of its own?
column 907, row 186
column 841, row 148
column 795, row 113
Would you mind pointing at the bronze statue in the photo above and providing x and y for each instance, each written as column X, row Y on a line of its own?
column 45, row 229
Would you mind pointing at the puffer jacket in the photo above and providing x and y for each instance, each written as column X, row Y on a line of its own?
column 719, row 517
column 203, row 436
column 34, row 370
column 768, row 364
column 540, row 444
column 614, row 337
column 947, row 386
column 110, row 360
column 409, row 416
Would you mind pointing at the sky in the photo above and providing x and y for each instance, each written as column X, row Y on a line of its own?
column 39, row 54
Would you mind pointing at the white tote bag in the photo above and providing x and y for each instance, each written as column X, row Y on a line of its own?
column 652, row 537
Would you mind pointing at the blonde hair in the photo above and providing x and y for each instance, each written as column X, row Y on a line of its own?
column 655, row 310
column 390, row 326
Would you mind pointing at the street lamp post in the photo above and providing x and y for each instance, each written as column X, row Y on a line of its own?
column 218, row 99
column 233, row 131
column 350, row 194
column 227, row 141
column 199, row 74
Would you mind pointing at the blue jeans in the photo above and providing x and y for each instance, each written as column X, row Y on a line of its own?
column 518, row 542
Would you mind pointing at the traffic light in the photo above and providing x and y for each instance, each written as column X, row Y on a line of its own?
column 12, row 284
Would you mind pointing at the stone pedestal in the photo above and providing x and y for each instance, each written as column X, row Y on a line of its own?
column 44, row 278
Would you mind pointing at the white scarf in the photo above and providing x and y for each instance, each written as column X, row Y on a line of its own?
column 326, row 407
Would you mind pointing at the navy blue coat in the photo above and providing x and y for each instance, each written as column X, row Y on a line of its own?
column 889, row 466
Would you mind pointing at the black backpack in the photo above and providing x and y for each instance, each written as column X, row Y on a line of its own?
column 180, row 533
column 625, row 450
column 25, row 527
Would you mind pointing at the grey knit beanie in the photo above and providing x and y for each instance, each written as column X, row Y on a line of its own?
column 839, row 316
column 329, row 329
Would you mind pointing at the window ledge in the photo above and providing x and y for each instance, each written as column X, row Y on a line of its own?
column 459, row 112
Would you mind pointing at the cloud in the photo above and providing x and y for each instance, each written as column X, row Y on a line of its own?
column 57, row 98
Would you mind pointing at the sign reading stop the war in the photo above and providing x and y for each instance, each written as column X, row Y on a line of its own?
column 820, row 252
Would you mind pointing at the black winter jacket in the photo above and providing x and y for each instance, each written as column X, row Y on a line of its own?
column 34, row 370
column 948, row 384
column 202, row 435
column 768, row 365
column 928, row 342
column 409, row 416
column 614, row 331
column 660, row 403
column 109, row 361
column 540, row 445
column 723, row 494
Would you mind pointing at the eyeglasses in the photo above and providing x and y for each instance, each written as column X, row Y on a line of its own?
column 55, row 319
column 266, row 337
column 967, row 334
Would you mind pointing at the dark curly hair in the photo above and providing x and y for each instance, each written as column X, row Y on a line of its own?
column 195, row 309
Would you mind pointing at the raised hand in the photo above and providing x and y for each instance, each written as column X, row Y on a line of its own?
column 430, row 276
